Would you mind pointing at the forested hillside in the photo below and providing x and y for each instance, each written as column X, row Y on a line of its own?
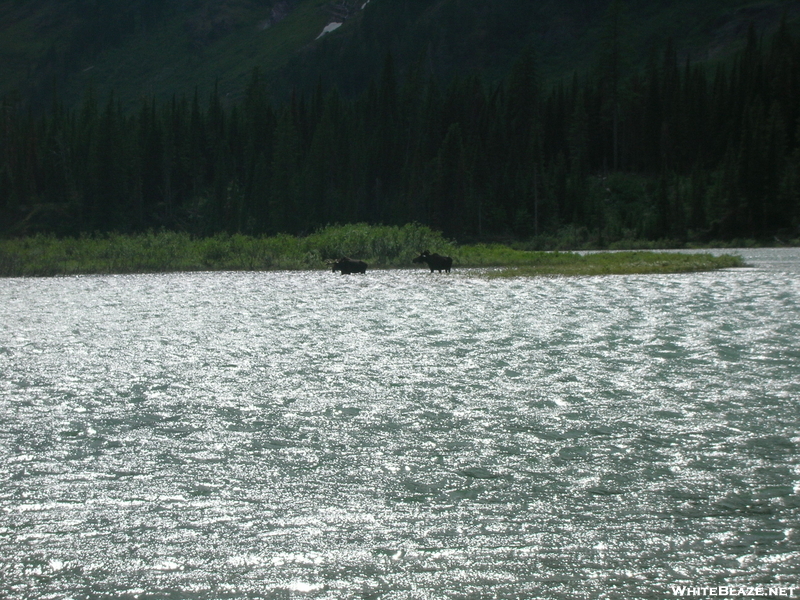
column 572, row 122
column 160, row 48
column 678, row 150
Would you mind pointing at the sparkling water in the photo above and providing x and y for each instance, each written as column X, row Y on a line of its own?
column 400, row 435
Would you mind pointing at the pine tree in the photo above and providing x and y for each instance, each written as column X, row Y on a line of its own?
column 612, row 68
column 452, row 185
column 284, row 198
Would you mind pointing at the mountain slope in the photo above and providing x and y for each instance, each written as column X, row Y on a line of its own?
column 146, row 48
column 140, row 51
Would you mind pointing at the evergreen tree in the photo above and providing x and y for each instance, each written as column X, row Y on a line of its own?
column 285, row 190
column 669, row 152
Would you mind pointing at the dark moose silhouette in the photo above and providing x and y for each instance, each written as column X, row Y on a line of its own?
column 435, row 261
column 348, row 265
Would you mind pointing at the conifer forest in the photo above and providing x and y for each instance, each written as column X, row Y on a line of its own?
column 677, row 150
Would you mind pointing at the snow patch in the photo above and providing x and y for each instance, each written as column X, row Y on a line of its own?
column 341, row 11
column 329, row 27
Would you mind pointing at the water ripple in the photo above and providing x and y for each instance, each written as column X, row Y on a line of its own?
column 270, row 435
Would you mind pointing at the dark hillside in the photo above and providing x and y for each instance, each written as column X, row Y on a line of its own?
column 563, row 123
column 673, row 153
column 143, row 48
column 132, row 46
column 460, row 37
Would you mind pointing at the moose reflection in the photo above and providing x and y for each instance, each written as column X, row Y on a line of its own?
column 436, row 262
column 348, row 266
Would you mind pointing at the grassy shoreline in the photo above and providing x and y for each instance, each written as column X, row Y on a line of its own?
column 620, row 263
column 380, row 246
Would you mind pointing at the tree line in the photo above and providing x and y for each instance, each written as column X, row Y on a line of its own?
column 679, row 150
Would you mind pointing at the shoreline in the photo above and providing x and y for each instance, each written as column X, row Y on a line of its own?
column 380, row 246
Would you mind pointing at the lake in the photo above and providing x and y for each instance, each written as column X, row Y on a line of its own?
column 400, row 435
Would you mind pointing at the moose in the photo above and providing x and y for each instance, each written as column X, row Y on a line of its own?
column 436, row 262
column 348, row 266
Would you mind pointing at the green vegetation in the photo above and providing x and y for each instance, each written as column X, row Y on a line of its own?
column 631, row 154
column 616, row 263
column 380, row 246
column 676, row 152
column 171, row 251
